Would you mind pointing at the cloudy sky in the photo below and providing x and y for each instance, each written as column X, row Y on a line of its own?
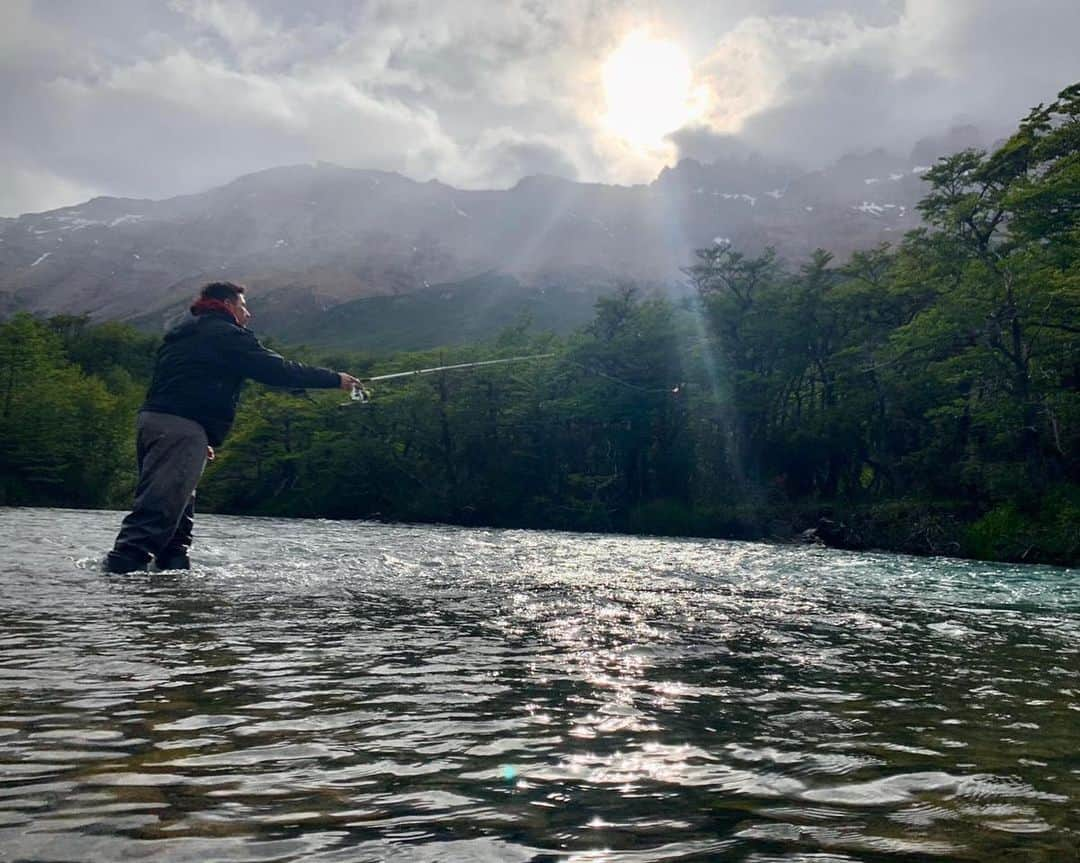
column 151, row 98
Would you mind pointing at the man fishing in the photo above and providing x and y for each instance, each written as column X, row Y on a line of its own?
column 200, row 369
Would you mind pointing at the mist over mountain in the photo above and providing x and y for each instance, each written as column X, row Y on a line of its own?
column 313, row 241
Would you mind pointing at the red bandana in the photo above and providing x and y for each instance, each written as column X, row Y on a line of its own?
column 201, row 307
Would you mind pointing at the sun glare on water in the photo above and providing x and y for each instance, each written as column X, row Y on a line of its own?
column 647, row 86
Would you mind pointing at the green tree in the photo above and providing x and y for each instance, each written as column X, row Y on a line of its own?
column 65, row 436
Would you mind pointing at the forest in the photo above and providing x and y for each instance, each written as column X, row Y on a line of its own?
column 921, row 397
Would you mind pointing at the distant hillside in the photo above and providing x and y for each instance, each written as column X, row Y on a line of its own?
column 440, row 315
column 311, row 238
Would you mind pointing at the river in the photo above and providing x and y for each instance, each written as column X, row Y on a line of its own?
column 350, row 691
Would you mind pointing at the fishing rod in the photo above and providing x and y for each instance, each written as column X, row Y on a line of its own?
column 360, row 394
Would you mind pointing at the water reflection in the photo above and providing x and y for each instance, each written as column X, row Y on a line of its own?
column 404, row 693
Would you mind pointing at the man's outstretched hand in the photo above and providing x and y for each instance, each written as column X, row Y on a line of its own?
column 348, row 381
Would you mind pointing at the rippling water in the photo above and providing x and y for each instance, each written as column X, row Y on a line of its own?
column 335, row 691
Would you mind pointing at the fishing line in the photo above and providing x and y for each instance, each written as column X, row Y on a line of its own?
column 361, row 395
column 621, row 382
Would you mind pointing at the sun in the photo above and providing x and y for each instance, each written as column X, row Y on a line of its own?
column 648, row 90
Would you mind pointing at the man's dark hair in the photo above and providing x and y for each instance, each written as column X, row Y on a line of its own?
column 224, row 291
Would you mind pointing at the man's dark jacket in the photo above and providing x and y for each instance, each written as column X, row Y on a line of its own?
column 202, row 365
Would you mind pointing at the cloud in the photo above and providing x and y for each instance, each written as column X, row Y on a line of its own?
column 703, row 144
column 235, row 22
column 501, row 157
column 29, row 190
column 214, row 88
column 812, row 89
column 153, row 100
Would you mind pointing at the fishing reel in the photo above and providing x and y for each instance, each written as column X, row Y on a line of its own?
column 359, row 394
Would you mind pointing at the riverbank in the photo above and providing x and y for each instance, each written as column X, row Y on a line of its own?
column 1007, row 533
column 1004, row 534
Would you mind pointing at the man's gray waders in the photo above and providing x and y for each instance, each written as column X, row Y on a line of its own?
column 171, row 456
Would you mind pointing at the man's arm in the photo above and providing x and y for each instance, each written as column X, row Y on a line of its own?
column 254, row 360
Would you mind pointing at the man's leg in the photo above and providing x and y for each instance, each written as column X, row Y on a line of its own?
column 172, row 455
column 175, row 553
column 125, row 558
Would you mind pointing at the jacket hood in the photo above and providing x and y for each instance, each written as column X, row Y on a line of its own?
column 190, row 325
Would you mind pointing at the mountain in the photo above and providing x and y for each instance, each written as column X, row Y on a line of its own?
column 321, row 245
column 465, row 312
